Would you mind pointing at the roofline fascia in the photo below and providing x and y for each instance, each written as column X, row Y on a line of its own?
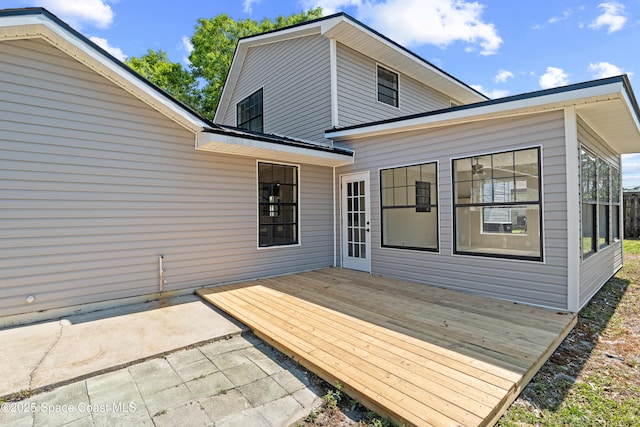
column 631, row 100
column 43, row 17
column 273, row 140
column 342, row 16
column 321, row 26
column 403, row 50
column 225, row 100
column 243, row 45
column 555, row 99
column 232, row 142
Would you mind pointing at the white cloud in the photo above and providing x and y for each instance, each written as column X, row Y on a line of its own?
column 115, row 51
column 503, row 76
column 417, row 22
column 78, row 13
column 614, row 17
column 554, row 77
column 330, row 7
column 493, row 94
column 186, row 44
column 565, row 15
column 188, row 47
column 600, row 70
column 248, row 5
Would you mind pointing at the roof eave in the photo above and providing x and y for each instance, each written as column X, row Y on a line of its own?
column 333, row 26
column 447, row 84
column 224, row 143
column 612, row 91
column 22, row 24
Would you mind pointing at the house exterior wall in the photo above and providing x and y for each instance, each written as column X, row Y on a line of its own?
column 601, row 266
column 296, row 79
column 358, row 91
column 95, row 185
column 539, row 283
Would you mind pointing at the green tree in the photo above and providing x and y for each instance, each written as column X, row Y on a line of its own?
column 214, row 43
column 170, row 76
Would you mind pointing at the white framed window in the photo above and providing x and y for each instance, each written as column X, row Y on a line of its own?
column 387, row 86
column 498, row 205
column 277, row 204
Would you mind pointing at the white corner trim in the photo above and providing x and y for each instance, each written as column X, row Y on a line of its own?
column 573, row 208
column 335, row 219
column 333, row 59
column 229, row 84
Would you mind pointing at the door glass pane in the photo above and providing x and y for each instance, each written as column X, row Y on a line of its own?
column 356, row 220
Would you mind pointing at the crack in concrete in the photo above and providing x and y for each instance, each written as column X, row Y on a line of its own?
column 61, row 322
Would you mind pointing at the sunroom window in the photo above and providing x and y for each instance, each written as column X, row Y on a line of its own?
column 615, row 204
column 497, row 205
column 603, row 203
column 589, row 185
column 600, row 194
column 278, row 204
column 409, row 205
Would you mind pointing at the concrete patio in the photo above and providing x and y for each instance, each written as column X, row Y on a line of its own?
column 179, row 361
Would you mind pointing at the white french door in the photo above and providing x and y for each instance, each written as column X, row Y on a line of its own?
column 356, row 222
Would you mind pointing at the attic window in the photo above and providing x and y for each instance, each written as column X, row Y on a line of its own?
column 250, row 112
column 387, row 86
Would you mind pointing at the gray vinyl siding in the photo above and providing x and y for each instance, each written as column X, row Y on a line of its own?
column 539, row 283
column 601, row 266
column 95, row 185
column 358, row 92
column 296, row 79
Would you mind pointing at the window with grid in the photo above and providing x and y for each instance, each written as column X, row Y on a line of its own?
column 589, row 185
column 600, row 195
column 409, row 204
column 604, row 200
column 278, row 204
column 497, row 205
column 249, row 112
column 615, row 203
column 387, row 86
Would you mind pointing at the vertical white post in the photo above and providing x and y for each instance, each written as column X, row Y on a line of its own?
column 335, row 222
column 574, row 219
column 333, row 60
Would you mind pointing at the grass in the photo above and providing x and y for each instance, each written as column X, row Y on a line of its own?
column 593, row 378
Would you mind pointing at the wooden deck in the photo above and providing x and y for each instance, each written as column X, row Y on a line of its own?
column 417, row 354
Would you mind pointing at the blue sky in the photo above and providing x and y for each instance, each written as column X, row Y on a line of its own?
column 500, row 47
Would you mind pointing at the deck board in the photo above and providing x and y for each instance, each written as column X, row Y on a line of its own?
column 420, row 355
